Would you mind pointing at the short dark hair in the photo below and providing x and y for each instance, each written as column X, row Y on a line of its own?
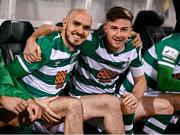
column 119, row 13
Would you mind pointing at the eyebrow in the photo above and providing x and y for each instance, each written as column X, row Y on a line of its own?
column 84, row 26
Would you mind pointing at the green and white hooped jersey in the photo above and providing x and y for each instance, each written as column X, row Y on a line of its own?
column 97, row 69
column 166, row 52
column 49, row 77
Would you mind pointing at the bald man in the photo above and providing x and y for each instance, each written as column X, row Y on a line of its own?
column 48, row 78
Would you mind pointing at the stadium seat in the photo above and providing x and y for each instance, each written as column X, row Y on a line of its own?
column 13, row 36
column 148, row 24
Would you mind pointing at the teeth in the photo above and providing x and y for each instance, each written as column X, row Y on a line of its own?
column 76, row 36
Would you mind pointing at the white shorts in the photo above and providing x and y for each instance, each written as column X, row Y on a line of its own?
column 155, row 93
column 72, row 95
column 41, row 127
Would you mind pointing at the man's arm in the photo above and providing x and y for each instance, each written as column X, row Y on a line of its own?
column 32, row 51
column 9, row 86
column 131, row 99
column 12, row 94
column 139, row 86
column 165, row 81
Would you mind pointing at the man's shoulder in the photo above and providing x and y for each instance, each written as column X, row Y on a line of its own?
column 51, row 37
column 129, row 45
column 171, row 41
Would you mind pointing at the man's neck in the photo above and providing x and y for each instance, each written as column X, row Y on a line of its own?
column 69, row 46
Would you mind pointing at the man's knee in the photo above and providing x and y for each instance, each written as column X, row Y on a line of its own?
column 165, row 107
column 127, row 110
column 111, row 102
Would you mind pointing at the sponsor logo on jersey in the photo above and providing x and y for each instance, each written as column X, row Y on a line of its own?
column 106, row 75
column 170, row 52
column 60, row 79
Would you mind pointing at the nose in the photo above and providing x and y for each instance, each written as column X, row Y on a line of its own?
column 118, row 33
column 80, row 30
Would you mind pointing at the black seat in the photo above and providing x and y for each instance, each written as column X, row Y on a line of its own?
column 148, row 25
column 13, row 36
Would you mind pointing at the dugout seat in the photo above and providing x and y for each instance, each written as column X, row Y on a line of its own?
column 149, row 25
column 13, row 36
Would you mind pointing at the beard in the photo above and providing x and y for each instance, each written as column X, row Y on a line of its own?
column 69, row 42
column 73, row 45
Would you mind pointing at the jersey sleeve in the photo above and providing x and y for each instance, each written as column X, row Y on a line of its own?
column 16, row 90
column 5, row 78
column 20, row 67
column 136, row 66
column 9, row 86
column 168, row 58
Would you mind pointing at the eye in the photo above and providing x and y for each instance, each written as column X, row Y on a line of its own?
column 113, row 28
column 125, row 30
column 86, row 27
column 76, row 23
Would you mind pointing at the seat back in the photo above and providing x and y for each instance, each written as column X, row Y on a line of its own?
column 148, row 25
column 13, row 36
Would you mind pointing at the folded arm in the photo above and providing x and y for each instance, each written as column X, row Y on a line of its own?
column 166, row 82
column 32, row 51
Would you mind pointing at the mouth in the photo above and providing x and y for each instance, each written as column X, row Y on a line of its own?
column 77, row 36
column 118, row 40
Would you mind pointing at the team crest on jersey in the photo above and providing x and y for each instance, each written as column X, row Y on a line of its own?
column 124, row 65
column 60, row 79
column 105, row 75
column 170, row 52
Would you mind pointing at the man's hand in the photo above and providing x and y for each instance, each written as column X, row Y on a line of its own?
column 130, row 100
column 136, row 39
column 32, row 51
column 34, row 110
column 13, row 104
column 48, row 115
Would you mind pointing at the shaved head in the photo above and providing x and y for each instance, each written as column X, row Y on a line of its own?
column 76, row 27
column 76, row 11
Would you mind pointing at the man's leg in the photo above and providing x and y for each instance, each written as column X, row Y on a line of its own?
column 70, row 109
column 106, row 107
column 174, row 99
column 128, row 119
column 158, row 110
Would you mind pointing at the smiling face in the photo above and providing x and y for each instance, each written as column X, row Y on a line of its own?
column 76, row 28
column 117, row 33
column 117, row 28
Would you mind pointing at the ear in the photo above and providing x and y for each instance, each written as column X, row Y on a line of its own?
column 64, row 22
column 105, row 27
